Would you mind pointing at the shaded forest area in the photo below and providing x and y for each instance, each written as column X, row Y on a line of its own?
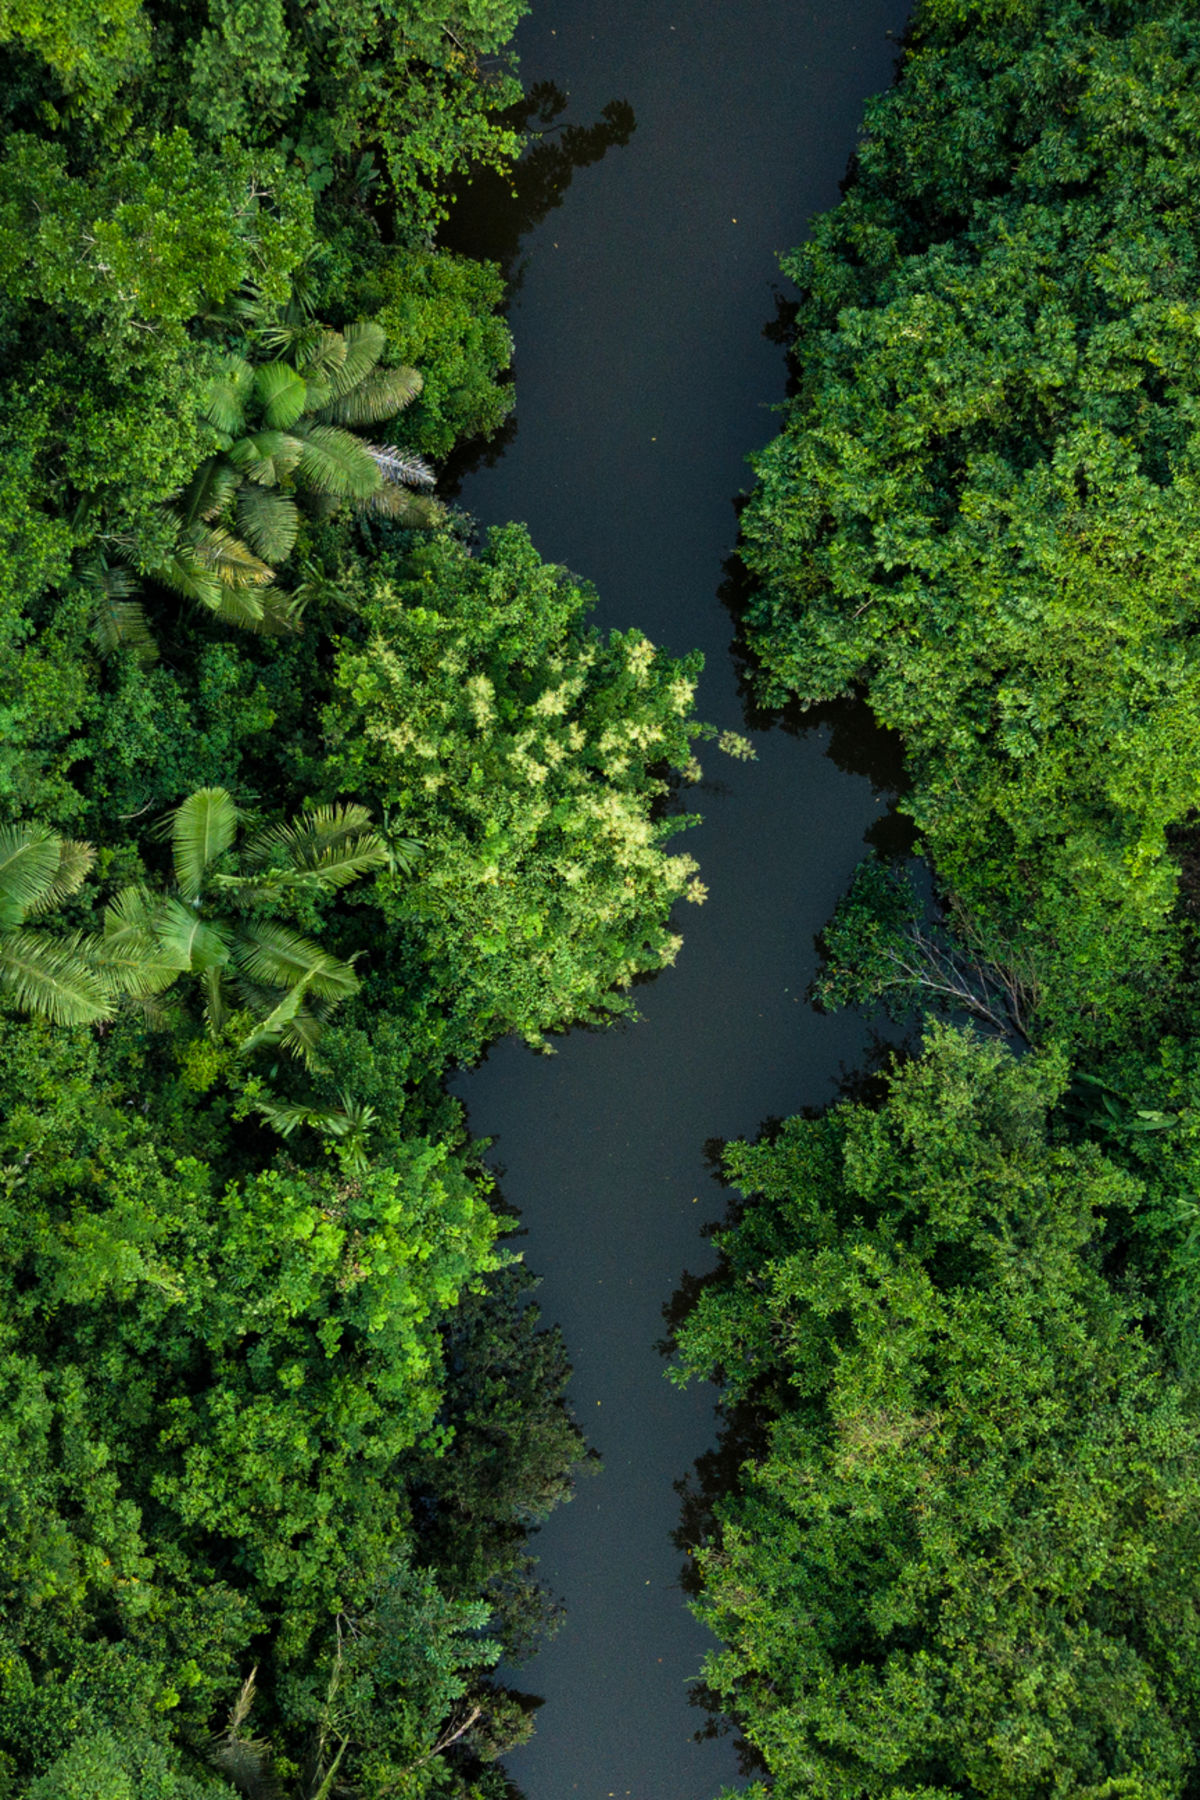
column 957, row 1325
column 306, row 795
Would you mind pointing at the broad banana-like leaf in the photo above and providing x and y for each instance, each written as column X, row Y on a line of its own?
column 233, row 563
column 54, row 977
column 202, row 828
column 75, row 862
column 30, row 856
column 333, row 462
column 267, row 457
column 279, row 957
column 226, row 404
column 268, row 521
column 282, row 394
column 401, row 465
column 365, row 344
column 383, row 394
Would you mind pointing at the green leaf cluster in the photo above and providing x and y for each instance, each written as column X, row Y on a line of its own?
column 983, row 504
column 963, row 1562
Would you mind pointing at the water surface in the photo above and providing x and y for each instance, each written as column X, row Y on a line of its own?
column 644, row 376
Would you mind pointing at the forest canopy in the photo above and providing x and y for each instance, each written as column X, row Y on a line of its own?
column 306, row 794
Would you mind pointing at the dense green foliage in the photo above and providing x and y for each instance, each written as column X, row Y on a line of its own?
column 983, row 503
column 304, row 797
column 965, row 1564
column 964, row 1319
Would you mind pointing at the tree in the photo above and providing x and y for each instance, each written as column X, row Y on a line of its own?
column 983, row 503
column 525, row 753
column 285, row 983
column 46, row 973
column 965, row 1563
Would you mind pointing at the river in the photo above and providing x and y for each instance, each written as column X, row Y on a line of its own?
column 646, row 368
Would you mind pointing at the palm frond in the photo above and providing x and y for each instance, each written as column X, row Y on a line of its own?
column 299, row 1037
column 209, row 491
column 365, row 344
column 54, row 977
column 29, row 861
column 267, row 457
column 401, row 465
column 279, row 957
column 268, row 521
column 276, row 1023
column 132, row 961
column 233, row 563
column 323, row 355
column 212, row 986
column 394, row 501
column 245, row 1762
column 184, row 938
column 225, row 406
column 282, row 394
column 333, row 462
column 75, row 862
column 381, row 395
column 185, row 573
column 118, row 621
column 304, row 839
column 268, row 611
column 202, row 828
column 122, row 624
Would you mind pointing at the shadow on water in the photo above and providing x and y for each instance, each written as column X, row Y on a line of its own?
column 492, row 212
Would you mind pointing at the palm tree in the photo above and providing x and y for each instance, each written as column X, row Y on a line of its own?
column 286, row 445
column 207, row 927
column 54, row 977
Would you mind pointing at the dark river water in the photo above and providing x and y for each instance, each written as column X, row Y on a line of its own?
column 647, row 363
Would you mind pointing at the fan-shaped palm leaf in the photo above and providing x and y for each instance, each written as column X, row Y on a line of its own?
column 281, row 958
column 282, row 394
column 54, row 977
column 333, row 462
column 381, row 395
column 325, row 354
column 365, row 344
column 202, row 828
column 268, row 521
column 225, row 406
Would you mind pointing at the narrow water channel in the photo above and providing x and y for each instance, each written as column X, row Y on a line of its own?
column 644, row 376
